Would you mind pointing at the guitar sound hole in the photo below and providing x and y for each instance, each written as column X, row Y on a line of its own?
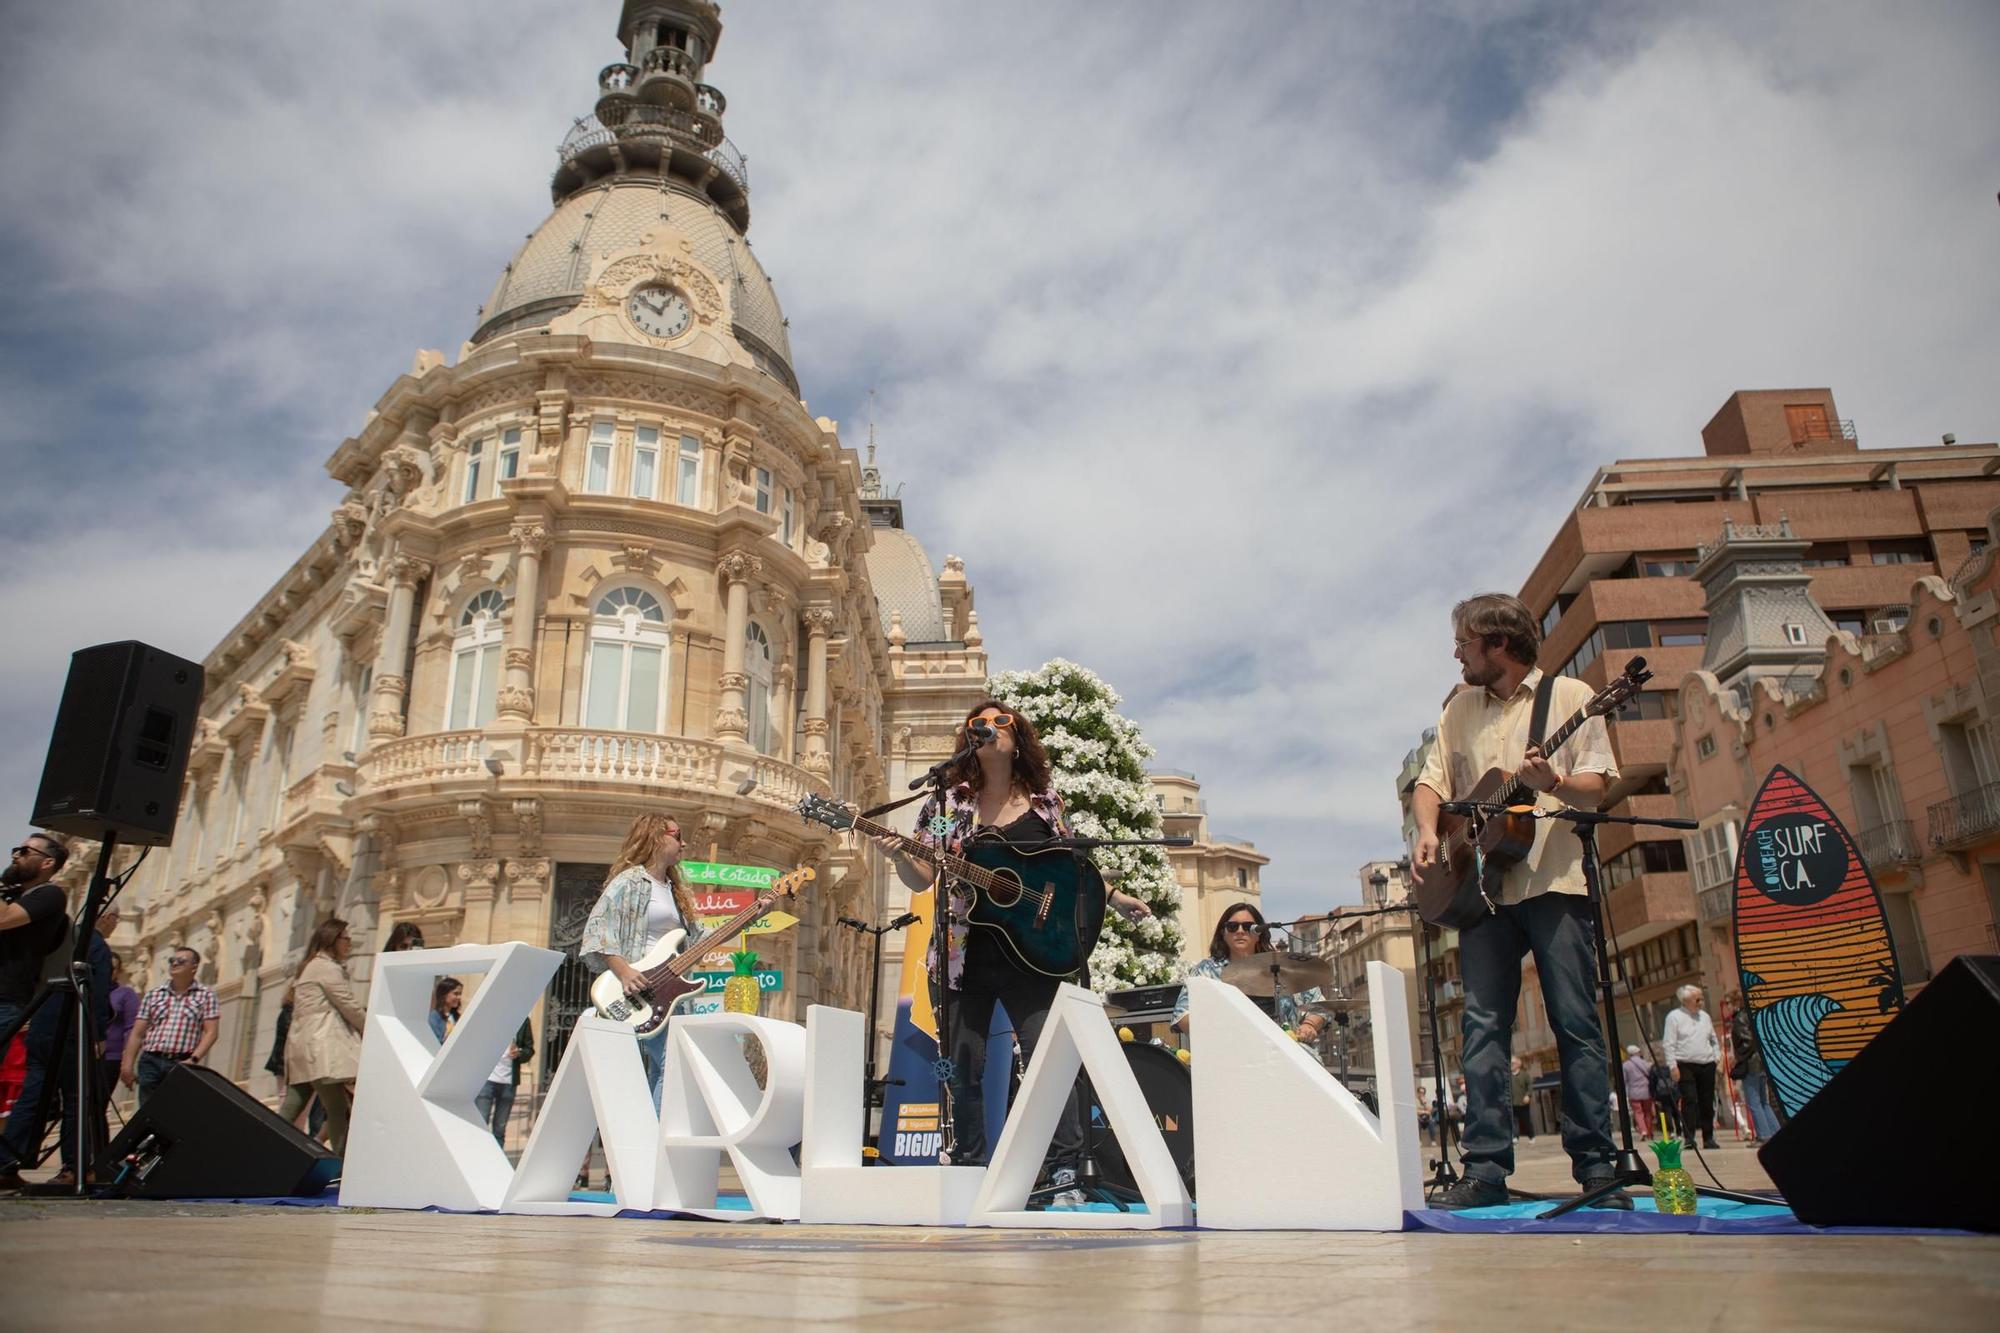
column 1006, row 890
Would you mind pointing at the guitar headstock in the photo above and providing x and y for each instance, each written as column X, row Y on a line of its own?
column 820, row 810
column 1620, row 691
column 789, row 883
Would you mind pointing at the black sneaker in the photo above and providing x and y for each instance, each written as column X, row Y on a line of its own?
column 1618, row 1198
column 1472, row 1192
column 1710, row 1144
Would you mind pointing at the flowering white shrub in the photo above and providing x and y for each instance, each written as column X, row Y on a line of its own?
column 1099, row 759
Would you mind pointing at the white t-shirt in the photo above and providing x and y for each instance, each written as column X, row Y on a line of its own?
column 504, row 1071
column 661, row 915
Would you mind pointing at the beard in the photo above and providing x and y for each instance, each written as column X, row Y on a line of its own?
column 13, row 875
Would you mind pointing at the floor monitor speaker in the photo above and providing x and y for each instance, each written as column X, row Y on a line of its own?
column 199, row 1136
column 1901, row 1135
column 119, row 747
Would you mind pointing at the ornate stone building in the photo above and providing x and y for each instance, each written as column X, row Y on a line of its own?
column 605, row 562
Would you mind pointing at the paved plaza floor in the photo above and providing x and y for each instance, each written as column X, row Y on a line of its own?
column 159, row 1266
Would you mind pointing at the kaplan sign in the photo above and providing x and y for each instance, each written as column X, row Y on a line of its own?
column 416, row 1140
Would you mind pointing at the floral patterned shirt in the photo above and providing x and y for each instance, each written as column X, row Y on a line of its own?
column 617, row 924
column 1288, row 1005
column 947, row 825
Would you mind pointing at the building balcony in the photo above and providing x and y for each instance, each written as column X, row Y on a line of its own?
column 667, row 77
column 1716, row 904
column 1650, row 905
column 579, row 759
column 1889, row 845
column 1966, row 820
column 1642, row 744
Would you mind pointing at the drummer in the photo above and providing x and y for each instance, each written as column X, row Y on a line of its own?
column 1240, row 933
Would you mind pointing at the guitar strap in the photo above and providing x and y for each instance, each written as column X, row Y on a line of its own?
column 1538, row 721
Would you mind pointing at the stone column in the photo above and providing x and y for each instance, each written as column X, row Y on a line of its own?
column 732, row 715
column 515, row 700
column 385, row 718
column 819, row 622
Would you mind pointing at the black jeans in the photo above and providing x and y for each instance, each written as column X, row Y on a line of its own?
column 1558, row 929
column 1027, row 997
column 1697, row 1099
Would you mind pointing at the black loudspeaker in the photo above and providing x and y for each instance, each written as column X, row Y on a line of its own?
column 1902, row 1135
column 120, row 744
column 199, row 1136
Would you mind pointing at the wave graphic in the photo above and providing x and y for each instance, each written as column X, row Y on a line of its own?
column 1788, row 1032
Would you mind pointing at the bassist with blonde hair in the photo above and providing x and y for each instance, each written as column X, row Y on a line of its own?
column 642, row 902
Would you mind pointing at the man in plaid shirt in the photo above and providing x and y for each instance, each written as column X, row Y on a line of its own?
column 176, row 1025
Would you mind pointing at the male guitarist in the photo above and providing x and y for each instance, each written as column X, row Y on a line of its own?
column 1540, row 904
column 1006, row 788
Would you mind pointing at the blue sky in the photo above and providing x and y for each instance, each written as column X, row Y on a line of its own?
column 1228, row 344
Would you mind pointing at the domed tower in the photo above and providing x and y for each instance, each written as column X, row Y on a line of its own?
column 651, row 158
column 607, row 563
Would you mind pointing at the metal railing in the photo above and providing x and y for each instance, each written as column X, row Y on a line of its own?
column 1823, row 430
column 1890, row 844
column 1966, row 818
column 590, row 133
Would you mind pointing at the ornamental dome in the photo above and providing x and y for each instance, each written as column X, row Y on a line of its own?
column 905, row 582
column 548, row 274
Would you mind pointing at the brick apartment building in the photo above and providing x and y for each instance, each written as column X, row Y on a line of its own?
column 1617, row 580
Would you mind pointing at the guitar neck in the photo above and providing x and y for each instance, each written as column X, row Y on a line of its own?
column 681, row 963
column 955, row 866
column 1512, row 793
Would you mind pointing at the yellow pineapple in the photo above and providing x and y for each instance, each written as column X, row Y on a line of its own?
column 740, row 994
column 1673, row 1187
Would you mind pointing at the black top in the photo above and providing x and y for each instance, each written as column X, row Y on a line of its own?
column 23, row 948
column 988, row 965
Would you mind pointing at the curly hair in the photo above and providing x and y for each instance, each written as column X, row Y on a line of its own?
column 1031, row 761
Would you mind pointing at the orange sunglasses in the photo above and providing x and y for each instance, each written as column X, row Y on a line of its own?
column 997, row 720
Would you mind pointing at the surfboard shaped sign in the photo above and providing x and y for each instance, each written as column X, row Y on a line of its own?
column 1819, row 967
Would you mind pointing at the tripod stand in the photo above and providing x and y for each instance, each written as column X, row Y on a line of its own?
column 1629, row 1168
column 871, row 1086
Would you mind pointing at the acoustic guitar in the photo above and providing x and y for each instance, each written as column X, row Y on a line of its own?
column 1045, row 907
column 1453, row 893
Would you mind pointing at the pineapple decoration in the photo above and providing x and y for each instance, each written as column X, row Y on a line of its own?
column 1673, row 1187
column 741, row 994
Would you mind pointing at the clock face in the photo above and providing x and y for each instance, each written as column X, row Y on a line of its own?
column 659, row 312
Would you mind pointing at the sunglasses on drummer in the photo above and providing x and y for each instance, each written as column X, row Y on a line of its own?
column 1235, row 927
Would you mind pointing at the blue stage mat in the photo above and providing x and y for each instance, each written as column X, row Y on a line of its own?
column 1715, row 1217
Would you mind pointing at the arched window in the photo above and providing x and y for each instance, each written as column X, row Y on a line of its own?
column 475, row 661
column 625, row 680
column 757, row 665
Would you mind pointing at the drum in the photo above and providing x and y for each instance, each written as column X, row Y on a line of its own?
column 1169, row 1092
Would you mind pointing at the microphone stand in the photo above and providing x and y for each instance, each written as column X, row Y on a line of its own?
column 872, row 1087
column 1630, row 1168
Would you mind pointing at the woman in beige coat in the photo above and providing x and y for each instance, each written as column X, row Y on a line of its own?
column 323, row 1051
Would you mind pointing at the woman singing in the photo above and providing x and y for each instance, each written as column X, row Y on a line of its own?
column 643, row 900
column 1005, row 788
column 1242, row 933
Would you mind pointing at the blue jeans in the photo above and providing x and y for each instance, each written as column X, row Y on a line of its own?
column 153, row 1068
column 496, row 1104
column 1757, row 1092
column 1557, row 928
column 653, row 1054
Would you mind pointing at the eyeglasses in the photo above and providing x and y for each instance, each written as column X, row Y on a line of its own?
column 1459, row 644
column 1246, row 927
column 180, row 962
column 25, row 850
column 997, row 720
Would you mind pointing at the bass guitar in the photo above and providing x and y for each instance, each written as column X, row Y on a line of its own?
column 665, row 966
column 1475, row 850
column 1046, row 908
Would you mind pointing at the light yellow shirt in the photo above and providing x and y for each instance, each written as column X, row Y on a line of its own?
column 1479, row 730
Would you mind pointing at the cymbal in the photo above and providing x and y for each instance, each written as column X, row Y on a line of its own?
column 1338, row 1004
column 1295, row 972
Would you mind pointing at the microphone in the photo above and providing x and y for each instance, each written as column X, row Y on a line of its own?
column 980, row 730
column 850, row 921
column 906, row 919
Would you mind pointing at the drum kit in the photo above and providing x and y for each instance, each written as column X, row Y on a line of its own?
column 1162, row 1071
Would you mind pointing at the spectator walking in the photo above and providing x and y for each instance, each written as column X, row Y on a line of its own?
column 1639, row 1090
column 1750, row 1072
column 446, row 999
column 1520, row 1085
column 176, row 1025
column 323, row 1048
column 1691, row 1050
column 496, row 1100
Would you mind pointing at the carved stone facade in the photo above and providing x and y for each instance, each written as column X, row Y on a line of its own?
column 572, row 580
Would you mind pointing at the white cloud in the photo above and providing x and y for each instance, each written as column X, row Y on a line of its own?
column 1228, row 346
